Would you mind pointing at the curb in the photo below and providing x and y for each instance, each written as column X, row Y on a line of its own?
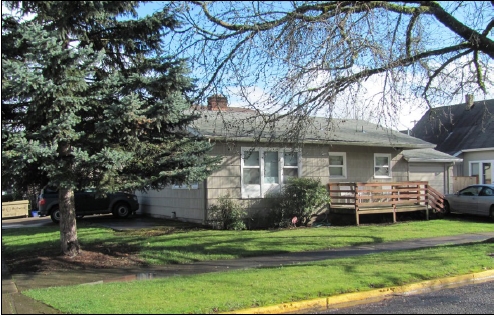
column 350, row 299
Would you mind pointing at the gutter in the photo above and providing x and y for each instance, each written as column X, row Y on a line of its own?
column 433, row 160
column 473, row 150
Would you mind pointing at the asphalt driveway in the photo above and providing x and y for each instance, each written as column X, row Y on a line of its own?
column 106, row 220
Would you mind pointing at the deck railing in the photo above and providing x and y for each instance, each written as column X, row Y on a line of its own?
column 385, row 197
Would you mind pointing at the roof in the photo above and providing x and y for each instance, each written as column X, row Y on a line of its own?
column 455, row 128
column 241, row 126
column 428, row 155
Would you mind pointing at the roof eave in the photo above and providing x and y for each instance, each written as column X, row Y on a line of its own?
column 328, row 142
column 411, row 159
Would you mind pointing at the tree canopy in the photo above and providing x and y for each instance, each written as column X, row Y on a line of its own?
column 90, row 99
column 306, row 57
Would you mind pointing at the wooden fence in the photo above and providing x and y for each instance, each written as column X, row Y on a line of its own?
column 382, row 197
column 462, row 182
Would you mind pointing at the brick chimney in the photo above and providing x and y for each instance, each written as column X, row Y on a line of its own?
column 217, row 102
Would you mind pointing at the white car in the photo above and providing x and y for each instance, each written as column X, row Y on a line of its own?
column 475, row 199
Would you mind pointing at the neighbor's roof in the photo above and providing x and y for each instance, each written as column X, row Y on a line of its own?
column 240, row 126
column 454, row 128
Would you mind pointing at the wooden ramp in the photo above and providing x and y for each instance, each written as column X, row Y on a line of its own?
column 384, row 197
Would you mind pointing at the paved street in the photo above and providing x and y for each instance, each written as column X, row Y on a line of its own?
column 468, row 299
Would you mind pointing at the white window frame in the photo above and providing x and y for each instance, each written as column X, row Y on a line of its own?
column 344, row 168
column 480, row 175
column 259, row 190
column 378, row 155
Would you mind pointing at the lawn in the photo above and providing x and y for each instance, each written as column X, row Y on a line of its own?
column 227, row 291
column 169, row 244
column 223, row 292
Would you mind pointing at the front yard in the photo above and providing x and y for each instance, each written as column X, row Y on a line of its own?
column 227, row 291
column 180, row 243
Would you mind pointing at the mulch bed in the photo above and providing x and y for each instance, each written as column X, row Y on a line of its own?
column 93, row 256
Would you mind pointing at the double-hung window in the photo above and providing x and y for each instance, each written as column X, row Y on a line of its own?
column 290, row 165
column 382, row 165
column 265, row 169
column 337, row 165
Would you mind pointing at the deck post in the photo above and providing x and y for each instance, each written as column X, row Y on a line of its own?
column 426, row 201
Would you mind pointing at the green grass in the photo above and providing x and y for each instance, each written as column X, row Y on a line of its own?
column 168, row 244
column 223, row 292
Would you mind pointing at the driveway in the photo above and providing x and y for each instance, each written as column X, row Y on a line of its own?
column 107, row 220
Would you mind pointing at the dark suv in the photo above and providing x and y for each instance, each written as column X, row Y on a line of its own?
column 120, row 204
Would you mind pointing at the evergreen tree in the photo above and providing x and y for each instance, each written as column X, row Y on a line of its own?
column 89, row 100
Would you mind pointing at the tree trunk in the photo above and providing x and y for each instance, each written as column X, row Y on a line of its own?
column 68, row 227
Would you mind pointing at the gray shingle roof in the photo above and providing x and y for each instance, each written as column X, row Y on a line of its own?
column 245, row 127
column 454, row 128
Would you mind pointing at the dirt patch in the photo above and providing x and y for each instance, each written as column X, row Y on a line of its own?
column 92, row 256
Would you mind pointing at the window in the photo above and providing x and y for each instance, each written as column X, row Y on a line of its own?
column 471, row 191
column 265, row 169
column 482, row 170
column 290, row 165
column 382, row 165
column 486, row 173
column 252, row 168
column 487, row 192
column 337, row 165
column 271, row 170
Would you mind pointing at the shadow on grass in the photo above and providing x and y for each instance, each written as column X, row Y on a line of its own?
column 172, row 243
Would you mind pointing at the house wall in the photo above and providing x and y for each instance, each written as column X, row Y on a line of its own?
column 476, row 156
column 439, row 175
column 360, row 164
column 188, row 204
column 191, row 205
column 315, row 160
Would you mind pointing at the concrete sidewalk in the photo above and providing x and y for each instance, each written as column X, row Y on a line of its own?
column 13, row 302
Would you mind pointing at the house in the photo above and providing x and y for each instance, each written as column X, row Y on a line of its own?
column 465, row 131
column 258, row 156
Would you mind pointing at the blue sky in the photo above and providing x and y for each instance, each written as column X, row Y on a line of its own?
column 410, row 113
column 407, row 116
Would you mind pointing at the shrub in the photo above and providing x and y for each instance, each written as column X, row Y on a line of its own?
column 276, row 214
column 227, row 214
column 300, row 197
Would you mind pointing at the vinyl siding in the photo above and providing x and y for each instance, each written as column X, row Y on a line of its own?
column 188, row 205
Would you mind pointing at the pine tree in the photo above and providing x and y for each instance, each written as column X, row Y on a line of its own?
column 89, row 100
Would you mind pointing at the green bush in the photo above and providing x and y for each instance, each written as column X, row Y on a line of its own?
column 301, row 198
column 227, row 214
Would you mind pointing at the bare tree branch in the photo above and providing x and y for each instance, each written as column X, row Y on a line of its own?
column 302, row 58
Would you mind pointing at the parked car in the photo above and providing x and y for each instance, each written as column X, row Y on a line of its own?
column 475, row 199
column 87, row 202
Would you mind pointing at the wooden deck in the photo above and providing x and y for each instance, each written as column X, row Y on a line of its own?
column 384, row 197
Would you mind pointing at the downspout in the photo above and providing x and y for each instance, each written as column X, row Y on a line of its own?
column 446, row 181
column 451, row 167
column 205, row 188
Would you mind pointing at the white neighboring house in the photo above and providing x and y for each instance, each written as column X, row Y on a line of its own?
column 345, row 151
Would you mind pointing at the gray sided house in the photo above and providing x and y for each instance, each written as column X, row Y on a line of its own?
column 332, row 152
column 465, row 131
